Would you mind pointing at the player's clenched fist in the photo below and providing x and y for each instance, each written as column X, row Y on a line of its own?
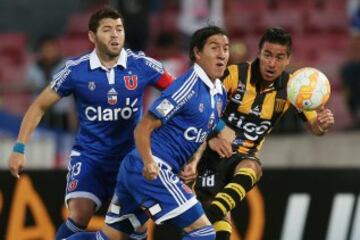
column 151, row 170
column 16, row 163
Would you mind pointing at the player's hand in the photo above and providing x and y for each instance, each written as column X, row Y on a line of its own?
column 16, row 163
column 151, row 170
column 228, row 134
column 221, row 146
column 325, row 118
column 189, row 173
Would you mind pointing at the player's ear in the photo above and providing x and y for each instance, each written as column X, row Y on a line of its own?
column 91, row 36
column 196, row 53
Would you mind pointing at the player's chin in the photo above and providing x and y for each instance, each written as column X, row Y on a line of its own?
column 219, row 71
column 114, row 52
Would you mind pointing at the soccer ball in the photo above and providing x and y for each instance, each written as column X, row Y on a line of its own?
column 308, row 89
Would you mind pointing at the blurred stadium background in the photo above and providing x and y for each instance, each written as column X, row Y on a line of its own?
column 298, row 167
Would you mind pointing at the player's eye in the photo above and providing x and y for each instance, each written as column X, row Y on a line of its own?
column 280, row 57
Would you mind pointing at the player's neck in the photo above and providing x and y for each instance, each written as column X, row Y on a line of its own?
column 106, row 60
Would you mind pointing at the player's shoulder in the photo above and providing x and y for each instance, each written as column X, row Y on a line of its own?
column 235, row 69
column 76, row 62
column 145, row 62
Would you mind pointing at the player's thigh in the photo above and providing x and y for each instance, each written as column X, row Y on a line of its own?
column 113, row 234
column 168, row 198
column 213, row 175
column 87, row 180
column 124, row 213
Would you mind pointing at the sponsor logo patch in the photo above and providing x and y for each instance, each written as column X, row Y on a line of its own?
column 165, row 107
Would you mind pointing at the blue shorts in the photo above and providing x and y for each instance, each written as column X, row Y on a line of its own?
column 166, row 198
column 90, row 179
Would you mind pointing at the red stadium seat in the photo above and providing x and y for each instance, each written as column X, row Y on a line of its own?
column 74, row 46
column 327, row 20
column 289, row 19
column 13, row 47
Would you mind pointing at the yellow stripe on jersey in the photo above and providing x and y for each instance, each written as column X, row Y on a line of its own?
column 249, row 95
column 231, row 81
column 268, row 106
column 310, row 115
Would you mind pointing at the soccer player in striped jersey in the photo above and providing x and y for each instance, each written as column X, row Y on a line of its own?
column 257, row 97
column 108, row 85
column 177, row 124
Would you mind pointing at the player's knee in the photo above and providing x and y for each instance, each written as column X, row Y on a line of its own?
column 206, row 232
column 81, row 210
column 252, row 164
column 139, row 234
column 201, row 222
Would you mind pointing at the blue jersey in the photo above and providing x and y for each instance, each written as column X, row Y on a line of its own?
column 108, row 101
column 189, row 110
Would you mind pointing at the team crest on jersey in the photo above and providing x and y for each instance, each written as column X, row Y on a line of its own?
column 91, row 86
column 165, row 107
column 201, row 107
column 72, row 185
column 131, row 82
column 112, row 96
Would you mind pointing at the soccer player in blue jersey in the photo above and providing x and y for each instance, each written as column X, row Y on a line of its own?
column 176, row 125
column 108, row 86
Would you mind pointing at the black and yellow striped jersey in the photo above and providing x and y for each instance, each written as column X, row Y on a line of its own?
column 252, row 111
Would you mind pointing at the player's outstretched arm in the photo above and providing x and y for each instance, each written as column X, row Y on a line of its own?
column 323, row 122
column 142, row 136
column 32, row 117
column 189, row 172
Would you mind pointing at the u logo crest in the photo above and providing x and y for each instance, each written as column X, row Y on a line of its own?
column 131, row 82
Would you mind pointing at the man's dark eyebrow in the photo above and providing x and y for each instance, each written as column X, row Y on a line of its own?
column 216, row 43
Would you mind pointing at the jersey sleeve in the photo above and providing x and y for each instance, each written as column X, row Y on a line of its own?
column 62, row 81
column 170, row 101
column 156, row 73
column 308, row 116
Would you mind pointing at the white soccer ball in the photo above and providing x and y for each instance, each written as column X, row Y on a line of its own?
column 308, row 89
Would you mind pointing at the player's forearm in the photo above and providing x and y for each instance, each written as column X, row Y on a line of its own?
column 30, row 121
column 316, row 129
column 197, row 155
column 35, row 112
column 142, row 135
column 143, row 144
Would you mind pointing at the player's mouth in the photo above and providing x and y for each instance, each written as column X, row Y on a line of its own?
column 269, row 74
column 220, row 64
column 115, row 44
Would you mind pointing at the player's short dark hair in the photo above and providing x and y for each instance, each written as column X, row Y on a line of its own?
column 105, row 12
column 198, row 39
column 277, row 35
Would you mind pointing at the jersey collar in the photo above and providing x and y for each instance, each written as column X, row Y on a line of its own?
column 95, row 61
column 215, row 87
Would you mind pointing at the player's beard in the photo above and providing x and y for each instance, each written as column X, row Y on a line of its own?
column 103, row 48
